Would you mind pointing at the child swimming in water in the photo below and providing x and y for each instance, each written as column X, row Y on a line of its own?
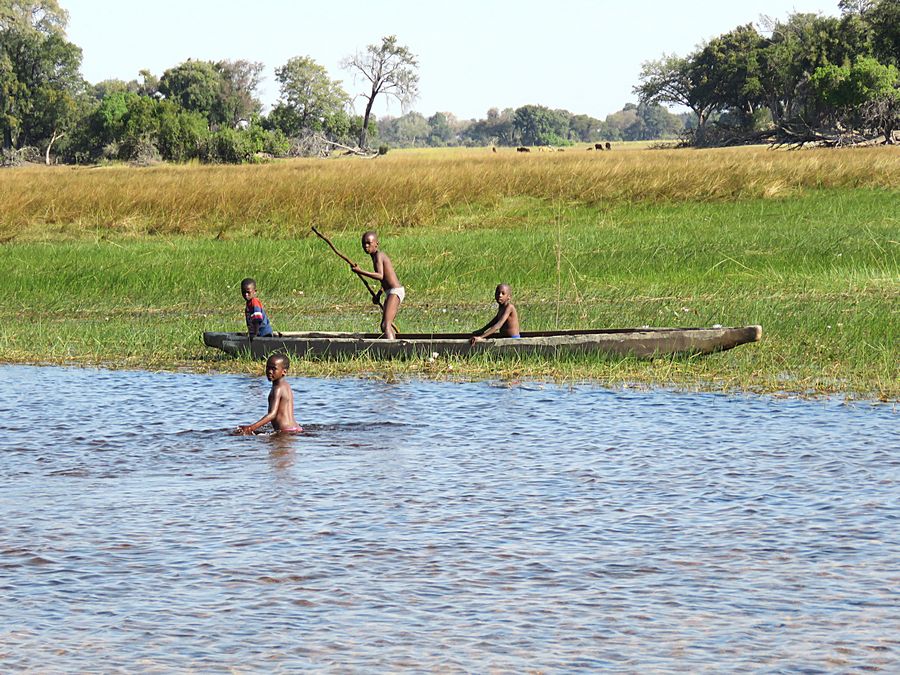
column 281, row 400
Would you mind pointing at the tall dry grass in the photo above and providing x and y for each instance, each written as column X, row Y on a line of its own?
column 284, row 198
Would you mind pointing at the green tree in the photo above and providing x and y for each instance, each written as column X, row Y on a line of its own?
column 42, row 16
column 884, row 19
column 105, row 88
column 390, row 69
column 441, row 129
column 181, row 134
column 538, row 125
column 309, row 99
column 585, row 128
column 793, row 52
column 407, row 131
column 865, row 94
column 729, row 66
column 54, row 95
column 195, row 86
column 39, row 73
column 496, row 129
column 621, row 123
column 674, row 80
column 237, row 99
column 656, row 122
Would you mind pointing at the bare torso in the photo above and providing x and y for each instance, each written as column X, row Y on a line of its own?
column 283, row 397
column 385, row 267
column 511, row 325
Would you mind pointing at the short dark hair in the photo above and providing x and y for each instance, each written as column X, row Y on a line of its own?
column 281, row 358
column 248, row 282
column 370, row 233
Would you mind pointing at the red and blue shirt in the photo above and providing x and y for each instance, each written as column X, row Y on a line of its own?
column 256, row 316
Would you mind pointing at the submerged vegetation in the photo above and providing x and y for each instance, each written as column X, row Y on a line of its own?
column 126, row 267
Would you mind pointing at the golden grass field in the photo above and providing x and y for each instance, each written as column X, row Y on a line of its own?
column 450, row 187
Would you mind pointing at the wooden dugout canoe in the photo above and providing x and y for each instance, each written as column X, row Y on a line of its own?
column 640, row 342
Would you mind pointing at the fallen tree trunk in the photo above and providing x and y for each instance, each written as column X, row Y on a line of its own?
column 353, row 151
column 796, row 135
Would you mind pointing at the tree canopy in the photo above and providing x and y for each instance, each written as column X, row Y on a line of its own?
column 803, row 78
column 809, row 78
column 310, row 100
column 40, row 82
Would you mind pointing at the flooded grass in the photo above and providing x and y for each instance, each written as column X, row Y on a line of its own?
column 817, row 270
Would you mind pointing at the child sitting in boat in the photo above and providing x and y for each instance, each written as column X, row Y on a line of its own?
column 281, row 400
column 506, row 321
column 390, row 284
column 257, row 320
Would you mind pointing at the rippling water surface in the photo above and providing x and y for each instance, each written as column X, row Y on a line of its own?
column 442, row 527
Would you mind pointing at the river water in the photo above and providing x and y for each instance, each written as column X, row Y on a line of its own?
column 422, row 527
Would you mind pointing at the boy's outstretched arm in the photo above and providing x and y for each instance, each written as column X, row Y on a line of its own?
column 491, row 327
column 247, row 429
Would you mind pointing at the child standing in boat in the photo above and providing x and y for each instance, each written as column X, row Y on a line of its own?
column 505, row 323
column 257, row 320
column 390, row 284
column 281, row 400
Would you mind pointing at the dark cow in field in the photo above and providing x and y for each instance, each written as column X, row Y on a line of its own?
column 522, row 148
column 608, row 146
column 598, row 146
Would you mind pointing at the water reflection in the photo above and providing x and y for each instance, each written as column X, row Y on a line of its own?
column 441, row 527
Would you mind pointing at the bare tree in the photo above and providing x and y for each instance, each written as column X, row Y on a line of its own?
column 390, row 69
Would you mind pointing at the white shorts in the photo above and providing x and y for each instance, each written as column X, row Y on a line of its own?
column 399, row 291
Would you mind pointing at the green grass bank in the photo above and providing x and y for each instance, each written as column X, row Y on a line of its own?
column 818, row 269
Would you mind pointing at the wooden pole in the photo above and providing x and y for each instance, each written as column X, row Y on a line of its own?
column 375, row 298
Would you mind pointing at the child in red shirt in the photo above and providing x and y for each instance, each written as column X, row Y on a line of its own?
column 257, row 320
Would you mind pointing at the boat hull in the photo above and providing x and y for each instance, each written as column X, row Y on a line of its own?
column 638, row 342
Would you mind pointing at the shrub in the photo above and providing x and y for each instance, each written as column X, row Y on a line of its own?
column 229, row 146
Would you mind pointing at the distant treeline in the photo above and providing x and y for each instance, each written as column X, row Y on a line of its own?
column 809, row 79
column 210, row 111
column 532, row 125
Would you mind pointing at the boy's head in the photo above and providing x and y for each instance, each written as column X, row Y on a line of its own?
column 370, row 242
column 502, row 293
column 277, row 366
column 248, row 288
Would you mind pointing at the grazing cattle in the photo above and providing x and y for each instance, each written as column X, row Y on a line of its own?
column 522, row 148
column 608, row 146
column 560, row 149
column 493, row 149
column 589, row 148
column 598, row 146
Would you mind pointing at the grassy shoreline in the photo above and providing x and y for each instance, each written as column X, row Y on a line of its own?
column 814, row 262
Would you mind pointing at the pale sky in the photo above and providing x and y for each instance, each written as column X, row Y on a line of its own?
column 581, row 55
